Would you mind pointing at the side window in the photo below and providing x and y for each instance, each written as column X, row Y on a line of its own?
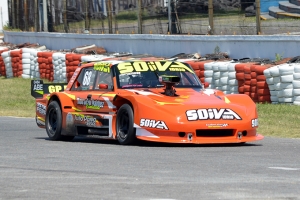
column 85, row 80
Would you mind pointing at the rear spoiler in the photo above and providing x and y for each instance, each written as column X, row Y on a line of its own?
column 39, row 88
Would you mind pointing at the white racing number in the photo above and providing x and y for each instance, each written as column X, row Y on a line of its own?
column 87, row 78
column 254, row 123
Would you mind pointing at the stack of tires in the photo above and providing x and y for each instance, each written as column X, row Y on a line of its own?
column 285, row 86
column 198, row 67
column 45, row 65
column 263, row 92
column 7, row 62
column 16, row 62
column 2, row 64
column 60, row 68
column 296, row 84
column 72, row 62
column 221, row 76
column 30, row 63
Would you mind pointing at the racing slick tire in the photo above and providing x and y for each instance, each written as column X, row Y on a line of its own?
column 54, row 123
column 124, row 125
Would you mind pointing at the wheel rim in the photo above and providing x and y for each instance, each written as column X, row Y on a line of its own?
column 52, row 122
column 123, row 125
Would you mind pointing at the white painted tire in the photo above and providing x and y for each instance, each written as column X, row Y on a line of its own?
column 216, row 74
column 26, row 61
column 26, row 55
column 296, row 84
column 276, row 79
column 26, row 66
column 215, row 66
column 217, row 82
column 26, row 76
column 267, row 73
column 277, row 86
column 273, row 92
column 26, row 71
column 286, row 86
column 224, row 74
column 285, row 100
column 287, row 78
column 271, row 87
column 225, row 88
column 5, row 54
column 287, row 93
column 296, row 76
column 296, row 98
column 297, row 103
column 208, row 66
column 7, row 60
column 224, row 80
column 274, row 71
column 296, row 92
column 286, row 69
column 232, row 75
column 234, row 89
column 208, row 73
column 231, row 67
column 297, row 68
column 270, row 81
column 274, row 98
column 233, row 82
column 223, row 67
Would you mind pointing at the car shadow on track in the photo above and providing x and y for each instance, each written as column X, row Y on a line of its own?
column 140, row 143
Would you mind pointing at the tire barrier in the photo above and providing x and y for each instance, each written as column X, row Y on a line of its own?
column 264, row 83
column 2, row 64
column 30, row 63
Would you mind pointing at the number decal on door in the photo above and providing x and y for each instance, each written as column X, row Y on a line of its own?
column 87, row 78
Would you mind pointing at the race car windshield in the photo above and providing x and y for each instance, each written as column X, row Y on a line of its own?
column 150, row 79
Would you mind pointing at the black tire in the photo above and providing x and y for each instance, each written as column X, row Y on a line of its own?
column 54, row 123
column 124, row 125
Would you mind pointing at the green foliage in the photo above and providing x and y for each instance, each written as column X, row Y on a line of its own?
column 217, row 50
column 127, row 15
column 6, row 27
column 278, row 57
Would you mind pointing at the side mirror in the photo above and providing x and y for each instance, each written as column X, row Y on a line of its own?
column 103, row 86
column 77, row 84
column 206, row 84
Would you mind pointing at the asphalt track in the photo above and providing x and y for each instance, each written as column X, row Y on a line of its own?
column 33, row 167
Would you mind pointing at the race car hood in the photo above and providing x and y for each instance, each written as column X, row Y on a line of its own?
column 189, row 101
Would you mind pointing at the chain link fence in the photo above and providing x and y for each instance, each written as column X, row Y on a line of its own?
column 230, row 17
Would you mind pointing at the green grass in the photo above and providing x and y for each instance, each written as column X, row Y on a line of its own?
column 278, row 120
column 15, row 98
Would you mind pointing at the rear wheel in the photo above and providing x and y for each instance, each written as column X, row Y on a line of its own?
column 125, row 130
column 54, row 122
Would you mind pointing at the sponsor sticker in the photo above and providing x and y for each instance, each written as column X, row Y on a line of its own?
column 216, row 125
column 212, row 114
column 89, row 120
column 90, row 103
column 143, row 66
column 102, row 67
column 151, row 123
column 41, row 108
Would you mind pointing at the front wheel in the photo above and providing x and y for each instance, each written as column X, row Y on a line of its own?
column 54, row 122
column 125, row 130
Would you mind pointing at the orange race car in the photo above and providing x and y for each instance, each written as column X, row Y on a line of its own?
column 161, row 101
